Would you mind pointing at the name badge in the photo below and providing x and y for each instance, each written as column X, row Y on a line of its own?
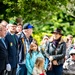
column 11, row 44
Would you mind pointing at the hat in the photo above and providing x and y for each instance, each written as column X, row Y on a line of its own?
column 27, row 26
column 72, row 51
column 57, row 31
column 12, row 22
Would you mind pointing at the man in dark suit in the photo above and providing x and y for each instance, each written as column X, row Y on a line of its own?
column 3, row 50
column 12, row 47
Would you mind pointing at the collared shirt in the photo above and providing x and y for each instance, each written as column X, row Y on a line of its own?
column 2, row 39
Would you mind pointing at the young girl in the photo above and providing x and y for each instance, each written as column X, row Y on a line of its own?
column 32, row 56
column 39, row 67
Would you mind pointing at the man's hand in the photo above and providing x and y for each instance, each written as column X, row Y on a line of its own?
column 55, row 62
column 50, row 58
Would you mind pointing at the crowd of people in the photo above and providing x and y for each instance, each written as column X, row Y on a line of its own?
column 20, row 53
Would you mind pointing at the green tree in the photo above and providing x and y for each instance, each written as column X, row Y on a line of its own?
column 45, row 15
column 29, row 9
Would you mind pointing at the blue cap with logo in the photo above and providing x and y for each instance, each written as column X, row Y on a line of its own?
column 28, row 26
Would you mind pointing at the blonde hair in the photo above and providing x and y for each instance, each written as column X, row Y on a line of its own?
column 69, row 37
column 39, row 63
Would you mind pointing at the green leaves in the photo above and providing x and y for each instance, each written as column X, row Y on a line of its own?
column 45, row 15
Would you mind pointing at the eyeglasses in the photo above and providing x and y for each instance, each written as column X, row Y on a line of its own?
column 72, row 54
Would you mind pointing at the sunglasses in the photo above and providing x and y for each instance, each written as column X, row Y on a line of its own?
column 72, row 54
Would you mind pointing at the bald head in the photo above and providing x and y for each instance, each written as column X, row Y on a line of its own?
column 2, row 31
column 4, row 23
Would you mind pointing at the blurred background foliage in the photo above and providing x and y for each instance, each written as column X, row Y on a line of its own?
column 45, row 15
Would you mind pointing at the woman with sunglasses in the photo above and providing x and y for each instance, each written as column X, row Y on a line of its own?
column 69, row 65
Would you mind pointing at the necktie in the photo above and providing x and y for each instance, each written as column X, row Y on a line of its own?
column 4, row 42
column 14, row 39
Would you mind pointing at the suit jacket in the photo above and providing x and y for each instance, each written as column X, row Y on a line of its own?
column 21, row 46
column 12, row 48
column 3, row 56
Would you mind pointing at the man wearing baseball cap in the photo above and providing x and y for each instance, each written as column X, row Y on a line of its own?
column 69, row 65
column 25, row 39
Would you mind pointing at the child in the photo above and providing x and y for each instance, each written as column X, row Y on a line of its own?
column 39, row 67
column 31, row 57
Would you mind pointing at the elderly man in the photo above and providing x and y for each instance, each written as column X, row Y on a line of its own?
column 4, row 23
column 12, row 47
column 3, row 50
column 69, row 65
column 25, row 39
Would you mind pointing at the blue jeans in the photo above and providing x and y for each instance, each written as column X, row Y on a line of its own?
column 56, row 70
column 21, row 70
column 46, row 63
